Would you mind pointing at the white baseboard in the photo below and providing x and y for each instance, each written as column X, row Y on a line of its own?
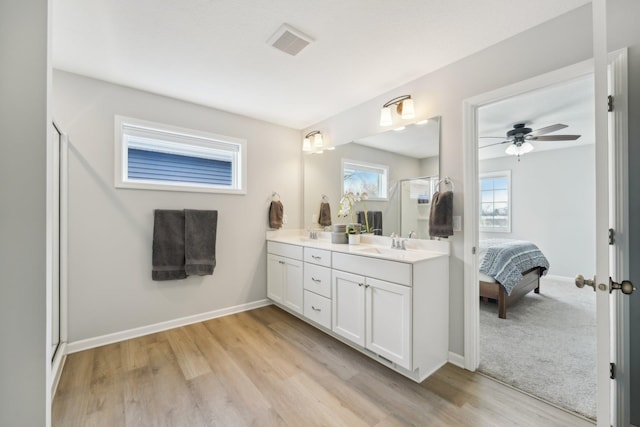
column 558, row 278
column 456, row 359
column 74, row 347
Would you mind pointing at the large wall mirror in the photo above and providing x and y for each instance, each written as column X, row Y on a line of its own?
column 411, row 160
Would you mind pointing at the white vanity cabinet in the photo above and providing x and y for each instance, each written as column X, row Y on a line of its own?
column 392, row 306
column 395, row 310
column 317, row 286
column 374, row 314
column 284, row 275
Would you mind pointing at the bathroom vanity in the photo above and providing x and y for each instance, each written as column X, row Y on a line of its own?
column 390, row 304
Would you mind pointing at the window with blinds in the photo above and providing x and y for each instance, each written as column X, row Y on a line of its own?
column 159, row 157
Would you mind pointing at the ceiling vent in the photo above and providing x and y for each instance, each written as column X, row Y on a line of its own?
column 289, row 40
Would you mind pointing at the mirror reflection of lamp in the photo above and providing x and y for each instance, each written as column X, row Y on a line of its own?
column 314, row 143
column 404, row 107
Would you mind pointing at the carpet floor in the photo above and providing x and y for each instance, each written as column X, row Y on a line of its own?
column 546, row 346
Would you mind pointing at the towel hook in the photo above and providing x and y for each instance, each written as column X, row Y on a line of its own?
column 325, row 198
column 275, row 196
column 447, row 181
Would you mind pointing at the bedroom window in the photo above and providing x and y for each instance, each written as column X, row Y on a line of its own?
column 495, row 201
column 153, row 156
column 360, row 177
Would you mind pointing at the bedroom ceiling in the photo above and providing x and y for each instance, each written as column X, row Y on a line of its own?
column 215, row 52
column 571, row 104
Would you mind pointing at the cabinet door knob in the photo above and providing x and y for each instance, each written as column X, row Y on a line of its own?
column 360, row 284
column 366, row 286
column 281, row 262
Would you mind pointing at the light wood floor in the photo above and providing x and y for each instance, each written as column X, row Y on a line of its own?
column 268, row 368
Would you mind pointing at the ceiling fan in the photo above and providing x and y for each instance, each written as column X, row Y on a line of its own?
column 519, row 138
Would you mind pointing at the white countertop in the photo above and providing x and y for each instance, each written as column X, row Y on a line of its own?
column 370, row 246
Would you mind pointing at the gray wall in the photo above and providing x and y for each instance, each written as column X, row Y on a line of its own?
column 442, row 92
column 110, row 230
column 24, row 123
column 552, row 206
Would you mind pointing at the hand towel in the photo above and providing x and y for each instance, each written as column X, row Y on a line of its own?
column 324, row 218
column 276, row 213
column 168, row 245
column 441, row 215
column 374, row 218
column 200, row 228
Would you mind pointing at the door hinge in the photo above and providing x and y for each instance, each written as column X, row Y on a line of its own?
column 612, row 236
column 612, row 371
column 610, row 103
column 473, row 250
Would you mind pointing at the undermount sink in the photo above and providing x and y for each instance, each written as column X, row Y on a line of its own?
column 379, row 251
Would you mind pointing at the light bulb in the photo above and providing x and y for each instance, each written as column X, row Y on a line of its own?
column 317, row 140
column 407, row 109
column 306, row 145
column 385, row 116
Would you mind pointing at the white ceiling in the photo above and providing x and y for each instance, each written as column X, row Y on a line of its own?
column 572, row 104
column 214, row 52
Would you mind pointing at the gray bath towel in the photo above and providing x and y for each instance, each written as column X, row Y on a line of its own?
column 200, row 241
column 276, row 214
column 375, row 221
column 168, row 245
column 441, row 216
column 324, row 219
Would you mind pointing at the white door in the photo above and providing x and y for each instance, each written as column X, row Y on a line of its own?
column 275, row 277
column 348, row 306
column 293, row 289
column 388, row 320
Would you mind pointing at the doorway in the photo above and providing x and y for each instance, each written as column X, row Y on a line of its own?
column 611, row 311
column 528, row 147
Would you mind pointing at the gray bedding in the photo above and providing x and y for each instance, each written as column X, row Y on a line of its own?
column 506, row 260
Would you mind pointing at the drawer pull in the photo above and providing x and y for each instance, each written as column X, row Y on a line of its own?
column 360, row 284
column 316, row 280
column 318, row 258
column 315, row 309
column 281, row 262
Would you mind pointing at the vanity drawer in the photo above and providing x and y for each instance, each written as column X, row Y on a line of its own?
column 317, row 279
column 376, row 268
column 317, row 309
column 317, row 256
column 285, row 250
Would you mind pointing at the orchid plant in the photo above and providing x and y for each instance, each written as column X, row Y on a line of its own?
column 346, row 207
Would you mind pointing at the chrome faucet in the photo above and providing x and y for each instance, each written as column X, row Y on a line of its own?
column 313, row 234
column 393, row 236
column 412, row 234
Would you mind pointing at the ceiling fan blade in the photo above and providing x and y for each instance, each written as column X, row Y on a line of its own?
column 495, row 143
column 555, row 138
column 548, row 129
column 500, row 137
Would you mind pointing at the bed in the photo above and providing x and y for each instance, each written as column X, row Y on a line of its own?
column 509, row 269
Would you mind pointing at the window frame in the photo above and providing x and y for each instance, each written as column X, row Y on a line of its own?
column 496, row 174
column 183, row 141
column 366, row 165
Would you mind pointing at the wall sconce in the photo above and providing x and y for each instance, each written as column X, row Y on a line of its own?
column 313, row 143
column 404, row 107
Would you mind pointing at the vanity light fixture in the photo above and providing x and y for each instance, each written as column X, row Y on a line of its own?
column 404, row 107
column 313, row 143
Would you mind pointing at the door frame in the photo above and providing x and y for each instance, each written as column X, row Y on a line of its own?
column 618, row 64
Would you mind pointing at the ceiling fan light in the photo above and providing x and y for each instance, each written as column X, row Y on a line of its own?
column 385, row 116
column 407, row 109
column 512, row 150
column 526, row 147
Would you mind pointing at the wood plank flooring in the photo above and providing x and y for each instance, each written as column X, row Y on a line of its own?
column 268, row 368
